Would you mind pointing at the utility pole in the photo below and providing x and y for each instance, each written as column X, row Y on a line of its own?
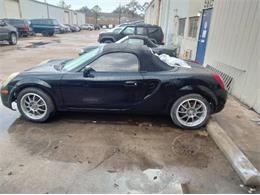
column 47, row 5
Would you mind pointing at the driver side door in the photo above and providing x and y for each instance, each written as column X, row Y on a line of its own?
column 113, row 83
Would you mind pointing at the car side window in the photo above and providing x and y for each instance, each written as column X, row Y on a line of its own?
column 135, row 41
column 140, row 31
column 129, row 30
column 116, row 62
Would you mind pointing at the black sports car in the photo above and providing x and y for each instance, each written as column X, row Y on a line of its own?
column 139, row 40
column 116, row 78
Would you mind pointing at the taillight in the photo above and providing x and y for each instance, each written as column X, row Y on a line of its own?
column 219, row 80
column 26, row 28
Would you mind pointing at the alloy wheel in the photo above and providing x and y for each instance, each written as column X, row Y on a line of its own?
column 191, row 112
column 33, row 106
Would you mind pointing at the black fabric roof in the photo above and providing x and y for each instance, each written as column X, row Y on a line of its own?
column 148, row 61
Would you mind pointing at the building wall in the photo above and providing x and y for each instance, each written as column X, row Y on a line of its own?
column 31, row 9
column 2, row 9
column 170, row 13
column 152, row 15
column 57, row 13
column 234, row 47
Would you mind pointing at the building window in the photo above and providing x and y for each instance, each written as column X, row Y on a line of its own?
column 181, row 26
column 193, row 26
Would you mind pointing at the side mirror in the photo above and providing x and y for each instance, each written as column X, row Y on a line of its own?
column 2, row 23
column 87, row 72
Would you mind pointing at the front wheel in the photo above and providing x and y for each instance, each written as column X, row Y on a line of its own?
column 13, row 39
column 190, row 111
column 35, row 105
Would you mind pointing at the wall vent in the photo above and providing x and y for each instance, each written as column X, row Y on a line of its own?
column 228, row 80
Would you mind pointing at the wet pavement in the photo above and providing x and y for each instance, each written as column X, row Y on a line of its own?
column 101, row 152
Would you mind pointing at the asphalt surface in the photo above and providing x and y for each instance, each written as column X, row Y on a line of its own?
column 100, row 152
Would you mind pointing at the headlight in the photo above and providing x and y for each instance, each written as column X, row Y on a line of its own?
column 81, row 52
column 9, row 78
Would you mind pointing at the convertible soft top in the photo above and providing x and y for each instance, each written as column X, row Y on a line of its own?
column 148, row 61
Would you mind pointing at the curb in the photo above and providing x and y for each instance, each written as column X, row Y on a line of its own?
column 244, row 168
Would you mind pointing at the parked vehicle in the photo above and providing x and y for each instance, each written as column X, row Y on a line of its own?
column 97, row 27
column 21, row 25
column 72, row 28
column 31, row 31
column 138, row 40
column 78, row 29
column 47, row 27
column 66, row 28
column 142, row 40
column 8, row 33
column 153, row 32
column 116, row 78
column 87, row 27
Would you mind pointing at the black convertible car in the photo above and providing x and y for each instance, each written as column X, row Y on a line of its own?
column 116, row 78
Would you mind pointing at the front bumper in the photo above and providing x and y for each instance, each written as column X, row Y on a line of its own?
column 6, row 98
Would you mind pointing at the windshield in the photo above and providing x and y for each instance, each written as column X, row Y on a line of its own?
column 77, row 62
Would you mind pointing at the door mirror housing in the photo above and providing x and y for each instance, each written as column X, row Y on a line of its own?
column 87, row 72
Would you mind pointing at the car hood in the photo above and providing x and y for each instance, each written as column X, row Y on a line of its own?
column 49, row 66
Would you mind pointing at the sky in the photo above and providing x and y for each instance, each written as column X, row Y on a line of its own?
column 106, row 5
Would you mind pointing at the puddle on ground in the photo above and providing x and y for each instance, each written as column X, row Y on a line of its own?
column 36, row 44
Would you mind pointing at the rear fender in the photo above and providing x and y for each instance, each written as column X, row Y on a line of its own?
column 198, row 89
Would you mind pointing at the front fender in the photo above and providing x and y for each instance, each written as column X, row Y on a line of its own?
column 32, row 82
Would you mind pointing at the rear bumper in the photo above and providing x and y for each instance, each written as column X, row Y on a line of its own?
column 222, row 99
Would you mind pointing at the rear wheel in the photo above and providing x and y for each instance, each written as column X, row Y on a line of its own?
column 190, row 111
column 13, row 39
column 45, row 33
column 35, row 105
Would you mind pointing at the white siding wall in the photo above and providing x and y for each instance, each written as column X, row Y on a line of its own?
column 2, row 9
column 57, row 13
column 31, row 9
column 234, row 46
column 152, row 12
column 170, row 12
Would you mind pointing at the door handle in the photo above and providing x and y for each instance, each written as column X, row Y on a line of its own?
column 131, row 84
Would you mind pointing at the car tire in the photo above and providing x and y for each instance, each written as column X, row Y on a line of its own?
column 35, row 105
column 13, row 39
column 45, row 33
column 191, row 111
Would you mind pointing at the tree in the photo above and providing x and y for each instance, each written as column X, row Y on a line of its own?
column 130, row 9
column 96, row 10
column 63, row 4
column 85, row 9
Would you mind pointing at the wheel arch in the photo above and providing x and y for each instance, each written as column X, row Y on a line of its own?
column 108, row 38
column 198, row 89
column 38, row 84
